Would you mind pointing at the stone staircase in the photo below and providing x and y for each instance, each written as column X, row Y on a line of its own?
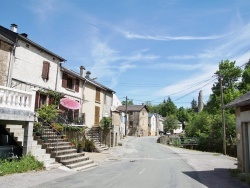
column 94, row 134
column 16, row 132
column 62, row 151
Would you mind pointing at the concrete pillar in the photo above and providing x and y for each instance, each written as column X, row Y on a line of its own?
column 28, row 137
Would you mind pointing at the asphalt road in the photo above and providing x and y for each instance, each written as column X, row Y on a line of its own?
column 140, row 162
column 144, row 163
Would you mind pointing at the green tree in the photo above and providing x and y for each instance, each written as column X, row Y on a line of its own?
column 183, row 116
column 230, row 74
column 168, row 108
column 130, row 102
column 194, row 105
column 171, row 123
column 244, row 85
column 106, row 122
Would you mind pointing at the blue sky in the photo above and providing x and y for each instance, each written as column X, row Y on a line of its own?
column 144, row 49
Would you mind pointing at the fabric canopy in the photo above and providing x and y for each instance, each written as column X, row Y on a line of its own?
column 70, row 103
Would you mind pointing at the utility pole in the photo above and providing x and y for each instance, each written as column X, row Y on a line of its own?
column 126, row 116
column 223, row 117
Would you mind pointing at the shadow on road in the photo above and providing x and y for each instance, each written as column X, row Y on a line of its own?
column 218, row 177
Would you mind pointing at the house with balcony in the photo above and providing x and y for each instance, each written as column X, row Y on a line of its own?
column 137, row 117
column 28, row 67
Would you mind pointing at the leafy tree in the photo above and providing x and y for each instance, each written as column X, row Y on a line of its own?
column 47, row 113
column 171, row 123
column 230, row 75
column 183, row 116
column 151, row 108
column 168, row 108
column 194, row 106
column 105, row 122
column 129, row 102
column 244, row 85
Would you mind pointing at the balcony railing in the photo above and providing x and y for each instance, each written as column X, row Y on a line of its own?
column 17, row 99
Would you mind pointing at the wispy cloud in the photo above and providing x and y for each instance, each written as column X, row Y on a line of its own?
column 45, row 9
column 179, row 66
column 130, row 35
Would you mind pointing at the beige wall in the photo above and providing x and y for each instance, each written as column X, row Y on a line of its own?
column 143, row 121
column 88, row 107
column 4, row 62
column 28, row 66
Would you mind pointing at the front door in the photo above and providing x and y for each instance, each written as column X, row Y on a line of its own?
column 246, row 146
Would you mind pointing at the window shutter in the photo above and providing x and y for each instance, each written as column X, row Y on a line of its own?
column 77, row 85
column 97, row 114
column 64, row 80
column 97, row 96
column 37, row 100
column 45, row 73
column 51, row 99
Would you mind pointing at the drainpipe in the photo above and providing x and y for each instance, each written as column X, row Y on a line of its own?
column 12, row 56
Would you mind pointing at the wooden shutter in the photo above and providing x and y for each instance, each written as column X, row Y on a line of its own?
column 45, row 73
column 97, row 115
column 64, row 80
column 51, row 99
column 77, row 85
column 97, row 95
column 37, row 100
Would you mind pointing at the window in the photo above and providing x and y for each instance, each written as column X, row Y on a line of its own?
column 97, row 95
column 45, row 72
column 97, row 115
column 70, row 82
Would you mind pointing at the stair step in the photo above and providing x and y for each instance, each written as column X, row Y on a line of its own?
column 80, row 164
column 62, row 152
column 85, row 167
column 46, row 145
column 59, row 148
column 68, row 156
column 74, row 160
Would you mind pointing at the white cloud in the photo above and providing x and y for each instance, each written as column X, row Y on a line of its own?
column 45, row 8
column 168, row 38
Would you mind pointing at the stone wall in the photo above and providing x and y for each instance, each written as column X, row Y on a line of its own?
column 4, row 62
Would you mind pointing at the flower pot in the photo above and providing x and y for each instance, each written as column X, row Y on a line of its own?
column 79, row 149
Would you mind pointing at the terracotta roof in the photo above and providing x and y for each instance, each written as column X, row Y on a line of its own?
column 243, row 100
column 136, row 108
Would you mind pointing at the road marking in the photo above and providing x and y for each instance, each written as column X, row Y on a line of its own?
column 142, row 171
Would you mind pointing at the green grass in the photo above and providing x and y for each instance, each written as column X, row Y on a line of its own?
column 24, row 164
column 244, row 177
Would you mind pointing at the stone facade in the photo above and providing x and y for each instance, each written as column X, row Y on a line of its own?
column 5, row 51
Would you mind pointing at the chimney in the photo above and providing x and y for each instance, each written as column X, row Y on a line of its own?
column 24, row 35
column 82, row 71
column 87, row 74
column 13, row 27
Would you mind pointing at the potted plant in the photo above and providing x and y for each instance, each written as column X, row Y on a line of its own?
column 47, row 113
column 64, row 136
column 80, row 146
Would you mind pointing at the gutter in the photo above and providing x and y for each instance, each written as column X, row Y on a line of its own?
column 12, row 56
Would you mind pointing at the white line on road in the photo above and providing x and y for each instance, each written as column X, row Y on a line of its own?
column 142, row 171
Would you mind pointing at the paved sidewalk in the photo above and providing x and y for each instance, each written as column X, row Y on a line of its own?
column 32, row 179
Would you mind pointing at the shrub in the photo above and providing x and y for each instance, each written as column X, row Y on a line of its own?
column 24, row 164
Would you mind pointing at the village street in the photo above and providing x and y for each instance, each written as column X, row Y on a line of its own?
column 140, row 162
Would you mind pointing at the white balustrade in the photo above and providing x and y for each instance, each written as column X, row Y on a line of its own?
column 17, row 99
